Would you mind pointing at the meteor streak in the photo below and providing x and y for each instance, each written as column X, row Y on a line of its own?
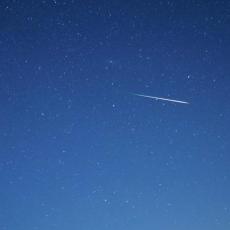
column 161, row 98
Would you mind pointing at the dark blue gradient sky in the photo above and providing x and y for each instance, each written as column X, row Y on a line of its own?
column 79, row 150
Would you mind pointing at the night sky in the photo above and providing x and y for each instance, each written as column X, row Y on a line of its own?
column 80, row 151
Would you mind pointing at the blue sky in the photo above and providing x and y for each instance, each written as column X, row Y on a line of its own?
column 79, row 150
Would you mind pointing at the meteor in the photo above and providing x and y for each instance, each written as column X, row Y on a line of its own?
column 161, row 98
